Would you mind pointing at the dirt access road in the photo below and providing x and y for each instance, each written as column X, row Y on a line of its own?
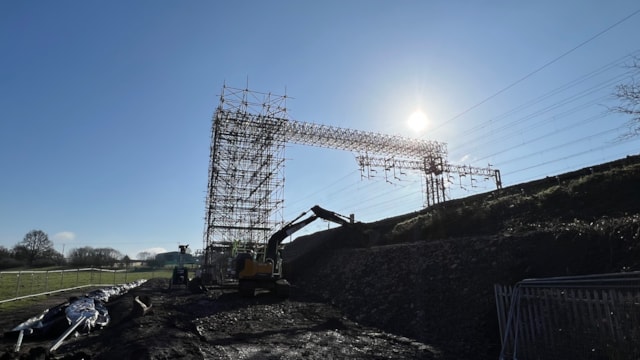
column 217, row 325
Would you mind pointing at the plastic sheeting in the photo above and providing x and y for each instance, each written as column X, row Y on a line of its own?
column 91, row 306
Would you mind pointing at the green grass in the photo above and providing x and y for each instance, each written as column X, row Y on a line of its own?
column 28, row 282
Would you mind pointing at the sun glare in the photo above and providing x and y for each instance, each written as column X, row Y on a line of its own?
column 418, row 121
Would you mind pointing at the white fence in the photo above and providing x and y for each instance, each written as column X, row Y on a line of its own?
column 15, row 285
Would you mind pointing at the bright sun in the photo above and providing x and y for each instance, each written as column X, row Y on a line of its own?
column 418, row 121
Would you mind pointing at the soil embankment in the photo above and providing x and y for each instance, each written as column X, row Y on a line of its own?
column 430, row 275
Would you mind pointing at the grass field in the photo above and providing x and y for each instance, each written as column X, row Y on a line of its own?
column 24, row 283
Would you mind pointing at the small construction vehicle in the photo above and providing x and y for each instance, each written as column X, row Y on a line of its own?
column 253, row 273
column 180, row 274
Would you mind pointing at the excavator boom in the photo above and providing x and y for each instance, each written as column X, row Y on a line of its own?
column 254, row 274
column 280, row 235
column 329, row 215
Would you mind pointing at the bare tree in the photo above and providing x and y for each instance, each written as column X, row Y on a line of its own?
column 629, row 96
column 4, row 252
column 88, row 256
column 35, row 245
column 7, row 260
column 81, row 256
column 107, row 256
column 126, row 260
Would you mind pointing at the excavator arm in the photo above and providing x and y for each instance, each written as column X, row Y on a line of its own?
column 293, row 226
column 253, row 274
column 330, row 215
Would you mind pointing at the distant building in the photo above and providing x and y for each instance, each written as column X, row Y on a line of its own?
column 173, row 258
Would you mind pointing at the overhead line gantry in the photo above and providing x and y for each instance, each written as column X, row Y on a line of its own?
column 246, row 168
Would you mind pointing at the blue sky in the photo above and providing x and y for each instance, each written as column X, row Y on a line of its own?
column 106, row 106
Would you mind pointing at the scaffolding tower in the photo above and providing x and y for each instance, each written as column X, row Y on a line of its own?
column 246, row 170
column 249, row 132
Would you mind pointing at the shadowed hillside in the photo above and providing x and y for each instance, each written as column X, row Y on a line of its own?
column 429, row 275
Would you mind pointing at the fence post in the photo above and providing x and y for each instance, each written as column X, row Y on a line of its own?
column 61, row 278
column 46, row 281
column 18, row 283
column 77, row 277
column 32, row 283
column 502, row 294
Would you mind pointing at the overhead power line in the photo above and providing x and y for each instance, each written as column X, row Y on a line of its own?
column 548, row 95
column 558, row 58
column 602, row 147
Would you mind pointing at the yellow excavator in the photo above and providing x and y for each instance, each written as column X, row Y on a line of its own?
column 267, row 274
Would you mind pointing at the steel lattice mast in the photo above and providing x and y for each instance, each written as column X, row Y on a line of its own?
column 246, row 169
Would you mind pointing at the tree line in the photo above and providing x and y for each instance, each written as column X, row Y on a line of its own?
column 36, row 250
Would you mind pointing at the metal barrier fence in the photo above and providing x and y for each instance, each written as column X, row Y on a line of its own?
column 583, row 317
column 15, row 285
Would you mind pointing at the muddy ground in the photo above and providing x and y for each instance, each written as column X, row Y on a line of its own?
column 217, row 325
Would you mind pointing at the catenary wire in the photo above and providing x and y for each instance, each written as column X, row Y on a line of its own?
column 549, row 63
